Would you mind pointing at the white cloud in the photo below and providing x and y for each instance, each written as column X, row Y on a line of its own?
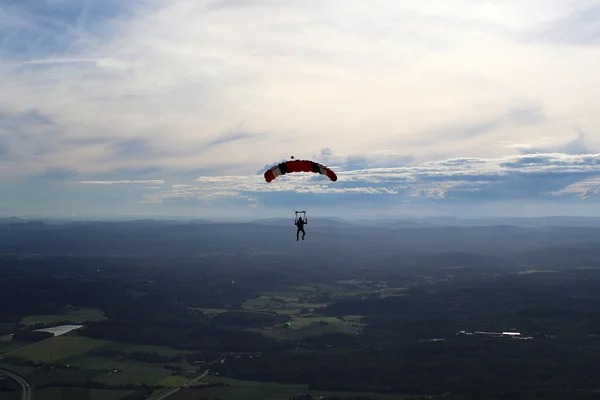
column 428, row 180
column 407, row 100
column 151, row 182
column 585, row 189
column 407, row 76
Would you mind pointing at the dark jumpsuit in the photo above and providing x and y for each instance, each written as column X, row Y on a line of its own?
column 300, row 225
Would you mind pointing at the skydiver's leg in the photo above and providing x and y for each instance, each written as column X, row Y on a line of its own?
column 303, row 233
column 298, row 234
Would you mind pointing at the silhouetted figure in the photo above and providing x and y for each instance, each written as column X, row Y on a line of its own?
column 300, row 224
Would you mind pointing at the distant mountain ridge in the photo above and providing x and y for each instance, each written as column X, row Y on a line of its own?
column 392, row 222
column 326, row 237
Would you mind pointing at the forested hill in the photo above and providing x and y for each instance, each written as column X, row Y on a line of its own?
column 432, row 244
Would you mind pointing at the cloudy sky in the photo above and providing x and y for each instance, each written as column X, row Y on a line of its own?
column 176, row 108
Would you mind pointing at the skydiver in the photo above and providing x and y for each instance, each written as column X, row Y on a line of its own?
column 300, row 224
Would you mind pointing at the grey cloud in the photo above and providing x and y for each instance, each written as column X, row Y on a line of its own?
column 31, row 117
column 4, row 150
column 519, row 114
column 363, row 161
column 582, row 27
column 58, row 174
column 326, row 151
column 231, row 137
column 123, row 182
column 575, row 146
column 88, row 141
column 554, row 162
column 140, row 147
column 464, row 179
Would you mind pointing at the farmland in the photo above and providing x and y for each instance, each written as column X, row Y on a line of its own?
column 68, row 365
column 109, row 363
column 306, row 320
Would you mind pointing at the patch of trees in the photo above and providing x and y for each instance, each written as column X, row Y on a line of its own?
column 309, row 397
column 191, row 337
column 249, row 319
column 430, row 368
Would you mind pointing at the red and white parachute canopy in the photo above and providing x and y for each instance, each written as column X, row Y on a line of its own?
column 291, row 166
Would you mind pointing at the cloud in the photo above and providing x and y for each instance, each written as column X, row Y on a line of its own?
column 516, row 115
column 304, row 73
column 579, row 26
column 574, row 146
column 470, row 179
column 585, row 189
column 231, row 137
column 152, row 182
column 123, row 91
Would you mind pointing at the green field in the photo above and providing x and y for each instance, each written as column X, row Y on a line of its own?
column 211, row 311
column 120, row 369
column 66, row 393
column 174, row 381
column 136, row 376
column 303, row 322
column 251, row 390
column 241, row 390
column 41, row 377
column 281, row 303
column 162, row 350
column 157, row 394
column 78, row 316
column 58, row 348
column 130, row 371
column 291, row 302
column 7, row 346
column 74, row 350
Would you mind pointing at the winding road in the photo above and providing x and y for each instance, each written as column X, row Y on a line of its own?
column 26, row 390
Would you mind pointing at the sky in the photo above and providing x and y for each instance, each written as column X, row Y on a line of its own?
column 176, row 108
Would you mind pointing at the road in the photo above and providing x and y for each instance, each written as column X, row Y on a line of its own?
column 184, row 386
column 26, row 390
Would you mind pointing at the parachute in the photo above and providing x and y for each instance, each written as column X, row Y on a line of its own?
column 287, row 167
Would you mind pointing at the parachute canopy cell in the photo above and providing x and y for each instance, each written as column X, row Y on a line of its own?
column 287, row 167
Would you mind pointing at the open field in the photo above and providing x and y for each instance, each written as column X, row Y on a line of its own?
column 74, row 350
column 63, row 393
column 59, row 348
column 251, row 390
column 121, row 370
column 78, row 316
column 157, row 394
column 300, row 305
column 6, row 345
column 211, row 311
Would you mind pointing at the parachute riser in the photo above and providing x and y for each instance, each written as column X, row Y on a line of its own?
column 300, row 212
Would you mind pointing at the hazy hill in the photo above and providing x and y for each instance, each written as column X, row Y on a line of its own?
column 325, row 240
